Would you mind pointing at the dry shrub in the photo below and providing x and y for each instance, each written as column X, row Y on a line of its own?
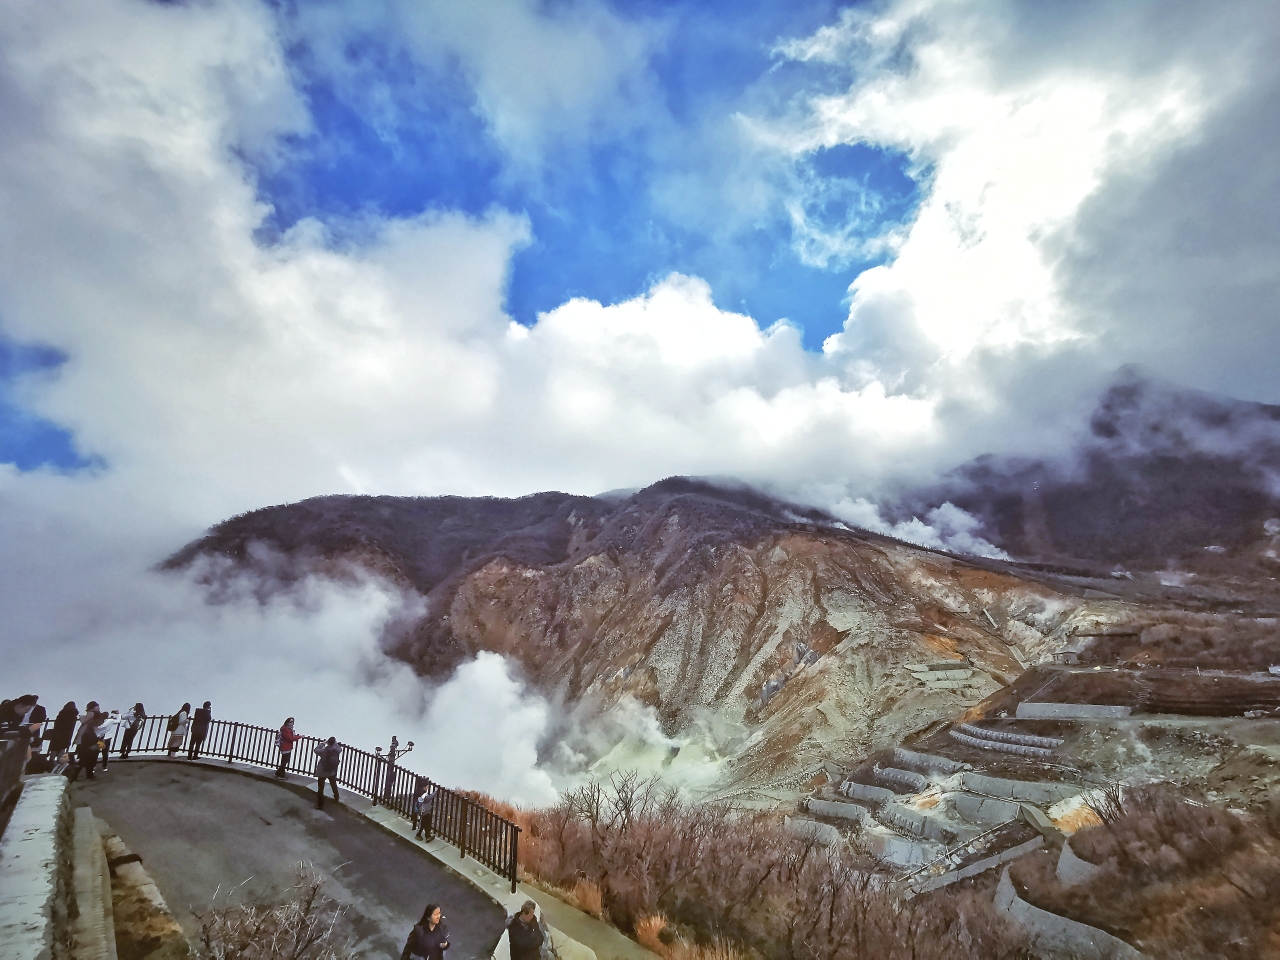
column 649, row 933
column 302, row 926
column 1180, row 878
column 735, row 883
column 586, row 895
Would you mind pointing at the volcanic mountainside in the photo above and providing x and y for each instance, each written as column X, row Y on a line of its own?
column 770, row 639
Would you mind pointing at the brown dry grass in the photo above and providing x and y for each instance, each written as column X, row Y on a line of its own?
column 1179, row 879
column 715, row 882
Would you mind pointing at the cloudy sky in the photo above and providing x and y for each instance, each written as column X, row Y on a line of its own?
column 254, row 252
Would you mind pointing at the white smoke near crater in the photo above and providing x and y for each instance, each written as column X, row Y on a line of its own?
column 945, row 527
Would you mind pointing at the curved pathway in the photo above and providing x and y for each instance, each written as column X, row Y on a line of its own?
column 201, row 830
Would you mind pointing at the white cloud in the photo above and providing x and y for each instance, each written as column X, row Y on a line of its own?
column 539, row 71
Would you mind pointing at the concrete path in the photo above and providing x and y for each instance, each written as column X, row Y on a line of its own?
column 201, row 830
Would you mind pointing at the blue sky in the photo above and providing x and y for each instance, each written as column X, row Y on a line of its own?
column 597, row 229
column 408, row 137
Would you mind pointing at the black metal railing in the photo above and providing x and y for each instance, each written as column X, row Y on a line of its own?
column 473, row 828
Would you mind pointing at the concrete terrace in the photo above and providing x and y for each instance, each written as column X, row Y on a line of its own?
column 203, row 829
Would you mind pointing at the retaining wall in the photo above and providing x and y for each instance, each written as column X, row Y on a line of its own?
column 1001, row 736
column 906, row 779
column 984, row 810
column 925, row 762
column 1060, row 936
column 823, row 833
column 998, row 747
column 901, row 852
column 913, row 822
column 1044, row 794
column 866, row 792
column 1071, row 711
column 36, row 887
column 1073, row 871
column 834, row 808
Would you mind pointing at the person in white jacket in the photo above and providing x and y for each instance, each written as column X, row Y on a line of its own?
column 107, row 734
column 178, row 724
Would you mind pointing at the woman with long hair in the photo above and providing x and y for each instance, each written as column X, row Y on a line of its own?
column 178, row 724
column 429, row 938
column 64, row 725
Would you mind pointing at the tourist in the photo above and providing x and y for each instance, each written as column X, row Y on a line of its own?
column 327, row 769
column 424, row 805
column 133, row 721
column 25, row 713
column 64, row 725
column 177, row 727
column 429, row 938
column 199, row 730
column 106, row 734
column 87, row 745
column 524, row 935
column 285, row 740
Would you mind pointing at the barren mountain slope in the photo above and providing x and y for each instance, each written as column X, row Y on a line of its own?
column 780, row 639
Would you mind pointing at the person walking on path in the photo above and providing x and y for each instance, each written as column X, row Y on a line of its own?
column 107, row 733
column 424, row 805
column 64, row 725
column 132, row 721
column 429, row 938
column 327, row 769
column 285, row 740
column 524, row 934
column 178, row 725
column 87, row 742
column 199, row 730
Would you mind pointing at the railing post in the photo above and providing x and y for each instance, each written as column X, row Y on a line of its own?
column 515, row 856
column 466, row 819
column 231, row 750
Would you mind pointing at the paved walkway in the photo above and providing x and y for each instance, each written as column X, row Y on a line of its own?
column 202, row 830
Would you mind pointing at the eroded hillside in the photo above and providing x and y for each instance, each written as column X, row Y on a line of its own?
column 769, row 641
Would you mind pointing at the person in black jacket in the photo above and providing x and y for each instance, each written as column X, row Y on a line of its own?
column 330, row 755
column 429, row 938
column 64, row 725
column 524, row 933
column 200, row 721
column 87, row 746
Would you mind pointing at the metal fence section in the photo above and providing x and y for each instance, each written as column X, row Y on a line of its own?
column 473, row 828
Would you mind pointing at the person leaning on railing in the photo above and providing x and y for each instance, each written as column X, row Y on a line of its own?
column 286, row 737
column 132, row 722
column 178, row 724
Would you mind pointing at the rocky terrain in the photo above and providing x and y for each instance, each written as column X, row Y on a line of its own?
column 768, row 639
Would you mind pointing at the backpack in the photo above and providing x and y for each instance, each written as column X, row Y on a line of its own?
column 172, row 725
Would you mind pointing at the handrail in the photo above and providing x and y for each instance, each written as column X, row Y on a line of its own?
column 472, row 827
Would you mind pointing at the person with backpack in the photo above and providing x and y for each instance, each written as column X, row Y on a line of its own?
column 177, row 727
column 429, row 938
column 424, row 805
column 200, row 724
column 330, row 755
column 285, row 739
column 524, row 933
column 132, row 722
column 87, row 745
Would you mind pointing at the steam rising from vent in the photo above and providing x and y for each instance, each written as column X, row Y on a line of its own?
column 948, row 527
